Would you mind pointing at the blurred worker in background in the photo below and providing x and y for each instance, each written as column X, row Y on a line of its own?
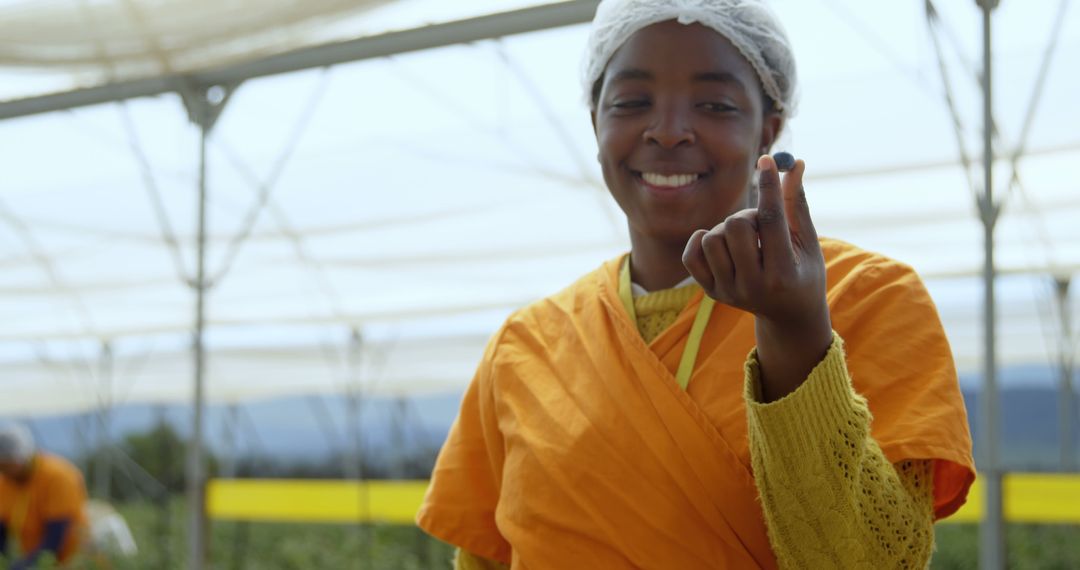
column 42, row 502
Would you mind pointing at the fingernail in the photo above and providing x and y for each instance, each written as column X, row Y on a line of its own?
column 763, row 162
column 785, row 161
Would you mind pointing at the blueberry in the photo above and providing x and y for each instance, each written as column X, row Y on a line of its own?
column 784, row 161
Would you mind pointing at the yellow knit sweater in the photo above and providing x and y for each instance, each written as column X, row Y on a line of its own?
column 830, row 497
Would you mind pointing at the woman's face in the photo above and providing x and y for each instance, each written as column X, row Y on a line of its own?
column 680, row 122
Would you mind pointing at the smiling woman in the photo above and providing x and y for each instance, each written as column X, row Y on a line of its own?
column 692, row 404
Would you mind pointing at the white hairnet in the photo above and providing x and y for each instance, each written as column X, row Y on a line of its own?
column 748, row 24
column 16, row 443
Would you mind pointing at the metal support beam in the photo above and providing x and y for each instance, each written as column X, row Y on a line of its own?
column 439, row 35
column 231, row 433
column 354, row 400
column 992, row 553
column 1066, row 362
column 355, row 467
column 204, row 105
column 196, row 468
column 163, row 521
column 103, row 461
column 398, row 440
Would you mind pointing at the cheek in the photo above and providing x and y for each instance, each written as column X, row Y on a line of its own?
column 613, row 150
column 735, row 155
column 738, row 164
column 608, row 140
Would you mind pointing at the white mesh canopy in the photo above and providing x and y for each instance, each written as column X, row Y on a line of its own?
column 141, row 37
column 55, row 45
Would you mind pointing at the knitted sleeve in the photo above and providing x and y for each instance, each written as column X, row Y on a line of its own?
column 830, row 497
column 464, row 560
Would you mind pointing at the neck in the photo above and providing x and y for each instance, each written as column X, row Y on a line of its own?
column 655, row 264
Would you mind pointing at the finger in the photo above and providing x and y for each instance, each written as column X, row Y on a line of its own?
column 694, row 261
column 741, row 236
column 714, row 246
column 773, row 230
column 796, row 206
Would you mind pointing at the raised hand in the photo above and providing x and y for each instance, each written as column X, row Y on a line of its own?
column 767, row 261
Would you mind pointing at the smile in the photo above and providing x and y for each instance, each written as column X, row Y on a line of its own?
column 668, row 180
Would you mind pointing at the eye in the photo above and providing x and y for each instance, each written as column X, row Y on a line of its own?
column 718, row 107
column 629, row 104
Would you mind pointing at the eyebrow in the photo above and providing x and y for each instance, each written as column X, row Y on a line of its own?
column 720, row 77
column 631, row 74
column 707, row 77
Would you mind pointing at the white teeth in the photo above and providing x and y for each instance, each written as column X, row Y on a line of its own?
column 673, row 181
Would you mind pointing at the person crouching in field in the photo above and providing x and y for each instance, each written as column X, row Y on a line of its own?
column 42, row 502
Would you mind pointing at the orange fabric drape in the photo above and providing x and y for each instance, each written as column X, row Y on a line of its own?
column 575, row 447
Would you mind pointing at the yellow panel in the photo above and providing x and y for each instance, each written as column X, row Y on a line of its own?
column 1029, row 497
column 396, row 501
column 314, row 501
column 1042, row 497
column 972, row 510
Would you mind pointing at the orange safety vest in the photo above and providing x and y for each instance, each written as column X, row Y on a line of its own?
column 575, row 446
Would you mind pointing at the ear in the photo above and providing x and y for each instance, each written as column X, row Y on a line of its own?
column 592, row 116
column 770, row 130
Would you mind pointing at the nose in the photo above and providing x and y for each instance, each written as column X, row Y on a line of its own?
column 671, row 128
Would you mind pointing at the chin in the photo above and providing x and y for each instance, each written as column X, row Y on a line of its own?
column 672, row 234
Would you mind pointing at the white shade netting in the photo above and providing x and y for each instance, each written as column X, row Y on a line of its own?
column 57, row 45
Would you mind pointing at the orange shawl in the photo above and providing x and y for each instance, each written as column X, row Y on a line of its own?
column 575, row 447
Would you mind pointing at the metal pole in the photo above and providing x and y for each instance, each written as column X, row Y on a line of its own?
column 353, row 400
column 228, row 463
column 356, row 468
column 103, row 468
column 204, row 104
column 196, row 542
column 398, row 417
column 163, row 530
column 1066, row 397
column 992, row 554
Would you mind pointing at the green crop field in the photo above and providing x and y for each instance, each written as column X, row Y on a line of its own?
column 284, row 546
column 161, row 539
column 1030, row 547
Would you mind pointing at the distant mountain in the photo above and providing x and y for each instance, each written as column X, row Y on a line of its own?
column 1029, row 427
column 312, row 428
column 294, row 429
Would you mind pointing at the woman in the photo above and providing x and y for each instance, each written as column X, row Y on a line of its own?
column 706, row 401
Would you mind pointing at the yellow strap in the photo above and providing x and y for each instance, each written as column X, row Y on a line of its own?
column 693, row 343
column 697, row 331
column 626, row 292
